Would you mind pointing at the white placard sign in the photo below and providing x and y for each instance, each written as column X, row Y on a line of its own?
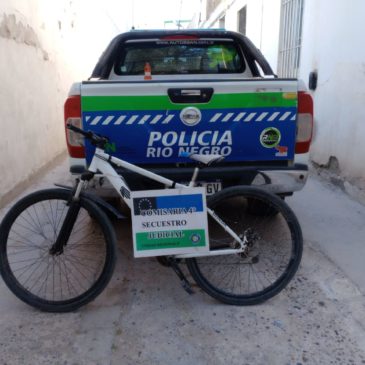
column 169, row 221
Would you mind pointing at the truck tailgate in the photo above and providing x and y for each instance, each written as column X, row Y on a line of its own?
column 152, row 122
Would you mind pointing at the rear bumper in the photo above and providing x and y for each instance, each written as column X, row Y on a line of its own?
column 282, row 180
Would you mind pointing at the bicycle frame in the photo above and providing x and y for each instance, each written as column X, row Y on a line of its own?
column 101, row 162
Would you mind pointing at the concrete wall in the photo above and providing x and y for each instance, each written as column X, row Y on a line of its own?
column 334, row 48
column 44, row 46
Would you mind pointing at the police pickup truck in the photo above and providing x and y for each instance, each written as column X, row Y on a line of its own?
column 156, row 94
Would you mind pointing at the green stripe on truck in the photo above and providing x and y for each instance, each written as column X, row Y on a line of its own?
column 157, row 102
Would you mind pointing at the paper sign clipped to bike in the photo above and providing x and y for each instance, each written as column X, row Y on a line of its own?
column 169, row 222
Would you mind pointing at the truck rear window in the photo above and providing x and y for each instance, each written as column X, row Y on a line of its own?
column 180, row 57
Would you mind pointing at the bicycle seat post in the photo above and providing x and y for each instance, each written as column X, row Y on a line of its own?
column 194, row 177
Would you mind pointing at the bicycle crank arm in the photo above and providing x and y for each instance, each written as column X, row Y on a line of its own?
column 184, row 281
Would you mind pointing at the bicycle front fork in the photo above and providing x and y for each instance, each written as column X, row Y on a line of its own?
column 69, row 221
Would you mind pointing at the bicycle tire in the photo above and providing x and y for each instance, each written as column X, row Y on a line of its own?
column 217, row 275
column 56, row 283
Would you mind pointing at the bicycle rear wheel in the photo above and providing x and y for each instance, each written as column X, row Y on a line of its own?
column 55, row 282
column 273, row 254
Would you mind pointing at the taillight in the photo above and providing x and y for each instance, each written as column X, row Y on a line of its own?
column 73, row 116
column 304, row 122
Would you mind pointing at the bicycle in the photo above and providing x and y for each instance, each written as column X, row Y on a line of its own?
column 58, row 246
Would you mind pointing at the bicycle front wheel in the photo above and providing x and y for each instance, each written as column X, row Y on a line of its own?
column 273, row 254
column 55, row 282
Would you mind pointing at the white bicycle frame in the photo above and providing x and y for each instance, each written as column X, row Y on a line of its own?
column 101, row 162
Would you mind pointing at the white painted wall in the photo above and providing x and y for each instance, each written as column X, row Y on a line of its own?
column 333, row 39
column 44, row 46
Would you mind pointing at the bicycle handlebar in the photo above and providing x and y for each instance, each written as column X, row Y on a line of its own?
column 95, row 139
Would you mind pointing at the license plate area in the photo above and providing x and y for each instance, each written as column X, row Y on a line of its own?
column 210, row 187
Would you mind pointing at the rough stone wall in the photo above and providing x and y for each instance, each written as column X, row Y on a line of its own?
column 21, row 33
column 44, row 47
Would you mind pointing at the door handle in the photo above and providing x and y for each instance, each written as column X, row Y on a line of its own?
column 190, row 95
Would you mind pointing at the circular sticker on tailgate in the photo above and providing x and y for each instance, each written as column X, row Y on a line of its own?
column 190, row 116
column 270, row 137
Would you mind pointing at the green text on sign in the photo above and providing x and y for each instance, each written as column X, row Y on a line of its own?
column 170, row 239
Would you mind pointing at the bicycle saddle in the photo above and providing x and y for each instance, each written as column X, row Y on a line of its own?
column 205, row 159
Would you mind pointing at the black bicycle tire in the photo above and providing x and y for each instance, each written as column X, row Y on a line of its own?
column 293, row 224
column 69, row 304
